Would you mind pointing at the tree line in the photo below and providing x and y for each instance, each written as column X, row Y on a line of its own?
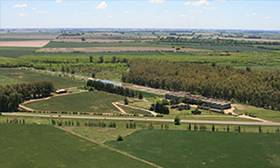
column 261, row 89
column 98, row 85
column 12, row 95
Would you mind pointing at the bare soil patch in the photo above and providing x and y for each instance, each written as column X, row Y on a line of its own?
column 31, row 43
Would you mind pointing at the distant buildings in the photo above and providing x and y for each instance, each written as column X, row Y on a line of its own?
column 215, row 105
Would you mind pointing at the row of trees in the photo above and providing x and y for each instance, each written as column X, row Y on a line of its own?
column 261, row 89
column 98, row 85
column 215, row 41
column 12, row 95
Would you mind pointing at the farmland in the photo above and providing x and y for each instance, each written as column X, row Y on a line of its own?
column 98, row 102
column 197, row 149
column 45, row 146
column 14, row 52
column 13, row 76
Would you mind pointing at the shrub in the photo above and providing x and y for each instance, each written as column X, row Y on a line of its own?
column 120, row 138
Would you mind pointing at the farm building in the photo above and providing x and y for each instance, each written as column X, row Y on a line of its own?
column 220, row 105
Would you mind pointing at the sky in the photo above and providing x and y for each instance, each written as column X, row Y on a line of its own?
column 186, row 14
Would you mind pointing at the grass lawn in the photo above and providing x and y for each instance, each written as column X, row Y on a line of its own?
column 33, row 145
column 203, row 149
column 14, row 75
column 269, row 115
column 95, row 101
column 14, row 52
column 133, row 110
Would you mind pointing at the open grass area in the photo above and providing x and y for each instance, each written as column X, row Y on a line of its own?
column 46, row 146
column 265, row 114
column 131, row 110
column 14, row 52
column 118, row 44
column 15, row 75
column 203, row 149
column 95, row 101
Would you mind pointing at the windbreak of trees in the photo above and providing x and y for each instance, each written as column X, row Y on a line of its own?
column 261, row 89
column 12, row 95
column 98, row 85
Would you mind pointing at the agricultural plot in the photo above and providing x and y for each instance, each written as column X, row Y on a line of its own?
column 95, row 101
column 202, row 149
column 104, row 49
column 27, row 43
column 87, row 45
column 14, row 52
column 46, row 146
column 14, row 75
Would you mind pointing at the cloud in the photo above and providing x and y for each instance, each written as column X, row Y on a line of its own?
column 102, row 5
column 58, row 1
column 126, row 12
column 197, row 3
column 20, row 6
column 254, row 14
column 182, row 16
column 22, row 14
column 266, row 17
column 110, row 16
column 156, row 1
column 33, row 9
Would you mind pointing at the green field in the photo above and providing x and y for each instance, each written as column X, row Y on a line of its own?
column 203, row 149
column 13, row 76
column 78, row 45
column 270, row 115
column 14, row 52
column 95, row 101
column 46, row 146
column 133, row 111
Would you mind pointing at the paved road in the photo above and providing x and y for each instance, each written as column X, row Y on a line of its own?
column 146, row 119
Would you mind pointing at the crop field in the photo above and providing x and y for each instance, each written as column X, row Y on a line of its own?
column 27, row 43
column 14, row 75
column 91, row 40
column 33, row 145
column 202, row 149
column 87, row 45
column 14, row 52
column 95, row 101
column 104, row 49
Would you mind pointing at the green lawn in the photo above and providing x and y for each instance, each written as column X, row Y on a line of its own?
column 14, row 75
column 95, row 101
column 14, row 52
column 133, row 110
column 203, row 149
column 270, row 115
column 46, row 146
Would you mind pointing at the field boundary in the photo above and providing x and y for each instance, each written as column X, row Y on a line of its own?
column 110, row 148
